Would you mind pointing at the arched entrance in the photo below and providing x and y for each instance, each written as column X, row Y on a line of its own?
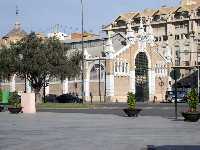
column 97, row 81
column 141, row 77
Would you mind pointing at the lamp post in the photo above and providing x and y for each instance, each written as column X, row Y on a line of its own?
column 21, row 58
column 98, row 70
column 82, row 51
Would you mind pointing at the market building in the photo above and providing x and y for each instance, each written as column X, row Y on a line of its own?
column 136, row 55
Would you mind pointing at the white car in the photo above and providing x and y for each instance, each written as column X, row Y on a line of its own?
column 181, row 97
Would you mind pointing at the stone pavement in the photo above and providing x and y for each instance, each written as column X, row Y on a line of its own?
column 74, row 131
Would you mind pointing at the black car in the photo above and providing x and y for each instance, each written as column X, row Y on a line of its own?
column 51, row 98
column 68, row 98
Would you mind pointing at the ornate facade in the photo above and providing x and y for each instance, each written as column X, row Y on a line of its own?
column 137, row 54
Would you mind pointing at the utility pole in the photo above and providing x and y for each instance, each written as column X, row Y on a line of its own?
column 82, row 51
column 175, row 76
column 100, row 79
column 198, row 74
column 104, row 76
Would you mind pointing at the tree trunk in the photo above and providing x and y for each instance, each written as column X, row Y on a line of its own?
column 38, row 98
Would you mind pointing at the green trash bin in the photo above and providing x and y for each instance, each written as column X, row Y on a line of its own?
column 5, row 96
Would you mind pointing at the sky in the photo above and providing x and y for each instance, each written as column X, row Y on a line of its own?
column 43, row 15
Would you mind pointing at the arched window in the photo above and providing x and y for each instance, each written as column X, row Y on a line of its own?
column 121, row 23
column 116, row 67
column 119, row 67
column 126, row 68
column 156, row 68
column 94, row 73
column 123, row 67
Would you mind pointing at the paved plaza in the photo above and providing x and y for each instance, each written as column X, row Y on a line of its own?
column 81, row 131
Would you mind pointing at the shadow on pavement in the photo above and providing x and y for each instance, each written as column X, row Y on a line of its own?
column 173, row 147
column 118, row 112
column 174, row 119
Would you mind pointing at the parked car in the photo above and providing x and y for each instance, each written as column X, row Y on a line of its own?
column 181, row 96
column 51, row 98
column 68, row 98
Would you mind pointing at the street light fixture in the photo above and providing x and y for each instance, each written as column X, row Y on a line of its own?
column 82, row 51
column 21, row 58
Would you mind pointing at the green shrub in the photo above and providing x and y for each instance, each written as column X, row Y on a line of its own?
column 131, row 100
column 193, row 100
column 0, row 96
column 14, row 100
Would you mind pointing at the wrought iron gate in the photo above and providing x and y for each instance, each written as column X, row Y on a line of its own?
column 141, row 77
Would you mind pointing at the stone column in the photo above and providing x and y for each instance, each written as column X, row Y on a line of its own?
column 193, row 48
column 28, row 86
column 47, row 90
column 132, row 81
column 13, row 83
column 152, row 85
column 65, row 86
column 87, row 82
column 109, row 79
column 110, row 70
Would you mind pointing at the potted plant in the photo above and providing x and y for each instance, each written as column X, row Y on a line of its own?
column 192, row 114
column 131, row 111
column 14, row 103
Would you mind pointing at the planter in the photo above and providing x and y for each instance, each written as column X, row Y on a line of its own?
column 132, row 112
column 28, row 103
column 14, row 110
column 191, row 116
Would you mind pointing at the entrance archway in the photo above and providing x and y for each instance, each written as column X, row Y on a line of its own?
column 141, row 77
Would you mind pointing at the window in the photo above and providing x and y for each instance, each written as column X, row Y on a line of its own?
column 187, row 36
column 177, row 62
column 126, row 68
column 198, row 22
column 123, row 67
column 116, row 66
column 94, row 73
column 186, row 63
column 198, row 12
column 156, row 39
column 178, row 53
column 120, row 67
column 157, row 18
column 165, row 38
column 186, row 52
column 156, row 69
column 182, row 36
column 176, row 26
column 121, row 23
column 73, row 46
column 176, row 37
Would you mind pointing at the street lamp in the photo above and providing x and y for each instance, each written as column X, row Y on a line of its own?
column 98, row 70
column 82, row 51
column 21, row 58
